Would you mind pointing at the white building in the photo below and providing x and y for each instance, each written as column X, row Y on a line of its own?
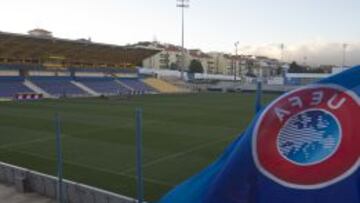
column 169, row 56
column 40, row 33
column 267, row 67
column 206, row 60
column 222, row 63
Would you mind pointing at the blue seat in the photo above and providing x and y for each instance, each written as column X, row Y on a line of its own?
column 137, row 85
column 10, row 86
column 58, row 86
column 103, row 85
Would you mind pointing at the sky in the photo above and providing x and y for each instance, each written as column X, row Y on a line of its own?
column 313, row 31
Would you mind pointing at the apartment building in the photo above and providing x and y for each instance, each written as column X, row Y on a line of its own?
column 170, row 57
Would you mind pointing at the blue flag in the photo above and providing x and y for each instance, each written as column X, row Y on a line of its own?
column 304, row 147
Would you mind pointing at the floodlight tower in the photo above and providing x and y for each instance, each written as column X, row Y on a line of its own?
column 282, row 47
column 305, row 60
column 344, row 55
column 236, row 44
column 182, row 4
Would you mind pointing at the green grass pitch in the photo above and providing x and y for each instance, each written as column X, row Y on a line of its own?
column 182, row 135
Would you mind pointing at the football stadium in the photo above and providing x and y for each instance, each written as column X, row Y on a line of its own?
column 83, row 121
column 96, row 95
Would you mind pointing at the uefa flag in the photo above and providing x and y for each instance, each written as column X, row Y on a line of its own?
column 304, row 147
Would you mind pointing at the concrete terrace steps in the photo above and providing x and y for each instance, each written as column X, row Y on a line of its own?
column 36, row 89
column 123, row 84
column 8, row 194
column 85, row 88
column 162, row 86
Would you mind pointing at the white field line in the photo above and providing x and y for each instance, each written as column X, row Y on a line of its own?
column 95, row 168
column 121, row 173
column 172, row 156
column 63, row 135
column 4, row 146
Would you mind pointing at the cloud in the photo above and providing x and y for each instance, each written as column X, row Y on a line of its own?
column 312, row 52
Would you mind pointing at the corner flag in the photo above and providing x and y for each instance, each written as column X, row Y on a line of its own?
column 304, row 147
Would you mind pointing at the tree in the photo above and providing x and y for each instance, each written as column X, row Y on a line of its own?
column 174, row 66
column 196, row 67
column 295, row 68
column 250, row 74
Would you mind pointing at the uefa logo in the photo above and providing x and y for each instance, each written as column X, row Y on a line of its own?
column 307, row 139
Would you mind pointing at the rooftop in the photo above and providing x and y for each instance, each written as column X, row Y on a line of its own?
column 20, row 46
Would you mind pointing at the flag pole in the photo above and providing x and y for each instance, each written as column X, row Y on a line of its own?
column 140, row 183
column 258, row 94
column 59, row 160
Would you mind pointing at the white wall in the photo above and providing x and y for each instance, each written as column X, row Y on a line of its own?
column 275, row 81
column 215, row 77
column 177, row 74
column 41, row 73
column 89, row 74
column 9, row 73
column 46, row 185
column 307, row 75
column 337, row 70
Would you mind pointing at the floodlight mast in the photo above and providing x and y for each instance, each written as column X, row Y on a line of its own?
column 236, row 44
column 182, row 4
column 282, row 47
column 344, row 55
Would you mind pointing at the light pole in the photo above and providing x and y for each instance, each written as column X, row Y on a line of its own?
column 282, row 46
column 344, row 55
column 182, row 4
column 305, row 60
column 236, row 57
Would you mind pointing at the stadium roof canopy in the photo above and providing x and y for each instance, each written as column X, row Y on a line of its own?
column 34, row 49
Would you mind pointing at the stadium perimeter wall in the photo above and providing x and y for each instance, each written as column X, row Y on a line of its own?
column 30, row 181
column 177, row 74
column 9, row 73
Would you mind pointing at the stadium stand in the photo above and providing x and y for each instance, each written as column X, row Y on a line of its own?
column 55, row 67
column 58, row 86
column 20, row 66
column 104, row 85
column 10, row 86
column 19, row 49
column 136, row 85
column 107, row 70
column 162, row 86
